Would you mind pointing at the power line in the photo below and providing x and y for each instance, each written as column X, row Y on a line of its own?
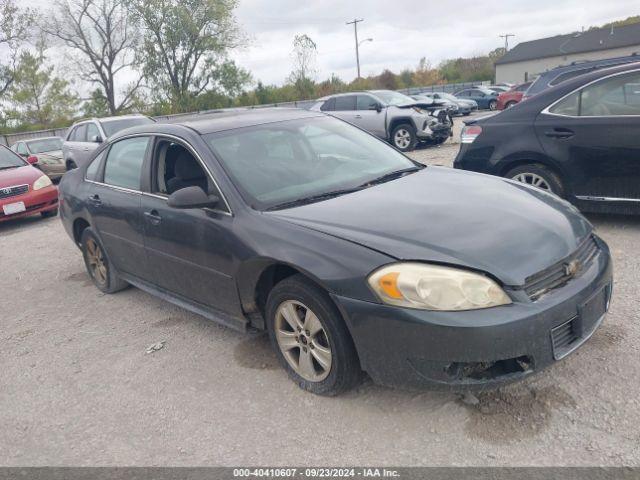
column 355, row 31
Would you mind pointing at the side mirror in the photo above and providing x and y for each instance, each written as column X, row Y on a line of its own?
column 96, row 139
column 32, row 159
column 377, row 107
column 191, row 197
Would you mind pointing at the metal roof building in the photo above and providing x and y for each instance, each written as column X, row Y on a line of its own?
column 528, row 59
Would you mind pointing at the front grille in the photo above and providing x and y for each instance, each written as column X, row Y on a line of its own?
column 6, row 192
column 563, row 336
column 559, row 274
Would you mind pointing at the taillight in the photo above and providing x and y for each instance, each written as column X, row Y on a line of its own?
column 32, row 159
column 470, row 133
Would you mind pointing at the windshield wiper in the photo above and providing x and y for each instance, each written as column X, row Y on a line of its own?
column 392, row 176
column 315, row 198
column 10, row 166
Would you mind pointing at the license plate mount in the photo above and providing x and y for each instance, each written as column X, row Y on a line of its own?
column 13, row 208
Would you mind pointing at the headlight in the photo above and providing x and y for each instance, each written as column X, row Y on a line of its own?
column 42, row 182
column 433, row 287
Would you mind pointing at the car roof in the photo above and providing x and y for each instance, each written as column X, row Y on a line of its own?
column 27, row 140
column 222, row 120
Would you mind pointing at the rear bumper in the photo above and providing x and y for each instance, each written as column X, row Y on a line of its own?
column 38, row 201
column 481, row 348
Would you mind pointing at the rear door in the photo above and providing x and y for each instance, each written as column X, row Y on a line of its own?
column 594, row 133
column 114, row 202
column 72, row 147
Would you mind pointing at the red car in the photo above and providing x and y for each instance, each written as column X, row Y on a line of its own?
column 513, row 96
column 24, row 190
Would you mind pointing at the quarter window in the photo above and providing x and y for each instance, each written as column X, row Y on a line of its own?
column 124, row 163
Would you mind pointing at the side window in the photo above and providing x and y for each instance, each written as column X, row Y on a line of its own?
column 329, row 105
column 92, row 131
column 124, row 162
column 615, row 96
column 345, row 103
column 94, row 168
column 81, row 133
column 365, row 102
column 464, row 93
column 569, row 106
column 22, row 149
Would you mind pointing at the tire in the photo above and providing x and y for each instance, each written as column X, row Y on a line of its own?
column 321, row 374
column 493, row 104
column 106, row 279
column 49, row 214
column 71, row 165
column 403, row 137
column 509, row 105
column 530, row 174
column 466, row 114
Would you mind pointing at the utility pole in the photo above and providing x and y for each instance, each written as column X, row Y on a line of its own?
column 355, row 30
column 506, row 40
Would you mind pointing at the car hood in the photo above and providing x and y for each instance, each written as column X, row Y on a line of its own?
column 448, row 216
column 19, row 176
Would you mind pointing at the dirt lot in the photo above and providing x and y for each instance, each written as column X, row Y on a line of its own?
column 78, row 388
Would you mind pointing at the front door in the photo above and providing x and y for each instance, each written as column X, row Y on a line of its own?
column 370, row 115
column 594, row 132
column 114, row 201
column 190, row 251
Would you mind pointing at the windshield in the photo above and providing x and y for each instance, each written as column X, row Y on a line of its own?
column 113, row 126
column 282, row 162
column 45, row 145
column 8, row 159
column 392, row 98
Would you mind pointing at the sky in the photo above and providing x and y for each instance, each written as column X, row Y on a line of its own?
column 437, row 30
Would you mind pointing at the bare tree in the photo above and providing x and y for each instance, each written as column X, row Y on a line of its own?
column 304, row 65
column 14, row 30
column 104, row 38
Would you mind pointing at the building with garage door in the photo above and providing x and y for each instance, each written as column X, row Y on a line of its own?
column 526, row 60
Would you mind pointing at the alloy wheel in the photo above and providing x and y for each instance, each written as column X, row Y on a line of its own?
column 303, row 341
column 402, row 138
column 533, row 179
column 96, row 261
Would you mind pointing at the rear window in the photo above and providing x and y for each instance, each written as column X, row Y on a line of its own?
column 45, row 145
column 114, row 126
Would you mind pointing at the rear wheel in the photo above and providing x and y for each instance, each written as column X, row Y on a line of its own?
column 98, row 264
column 509, row 104
column 537, row 176
column 404, row 137
column 311, row 338
column 493, row 104
column 71, row 165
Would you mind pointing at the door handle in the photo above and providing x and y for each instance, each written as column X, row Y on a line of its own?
column 86, row 149
column 358, row 116
column 153, row 216
column 559, row 133
column 95, row 200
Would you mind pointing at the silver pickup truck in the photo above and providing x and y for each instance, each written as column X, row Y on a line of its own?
column 390, row 115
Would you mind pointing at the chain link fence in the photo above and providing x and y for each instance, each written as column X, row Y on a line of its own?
column 11, row 138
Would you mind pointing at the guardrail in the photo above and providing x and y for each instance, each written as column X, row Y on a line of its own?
column 11, row 138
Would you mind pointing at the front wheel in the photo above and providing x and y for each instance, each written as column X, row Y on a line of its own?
column 493, row 104
column 310, row 337
column 404, row 137
column 537, row 176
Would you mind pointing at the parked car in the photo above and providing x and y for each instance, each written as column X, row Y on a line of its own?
column 44, row 153
column 510, row 98
column 84, row 137
column 389, row 115
column 435, row 104
column 557, row 75
column 484, row 97
column 352, row 256
column 24, row 190
column 578, row 140
column 465, row 106
column 499, row 88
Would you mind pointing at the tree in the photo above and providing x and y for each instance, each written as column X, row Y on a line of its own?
column 304, row 70
column 37, row 95
column 14, row 31
column 96, row 105
column 104, row 39
column 425, row 75
column 186, row 47
column 387, row 80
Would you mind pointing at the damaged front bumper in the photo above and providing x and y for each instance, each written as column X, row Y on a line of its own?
column 478, row 348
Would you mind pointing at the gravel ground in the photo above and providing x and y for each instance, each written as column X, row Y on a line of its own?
column 78, row 388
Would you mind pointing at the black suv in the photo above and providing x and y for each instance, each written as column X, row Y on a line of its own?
column 578, row 140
